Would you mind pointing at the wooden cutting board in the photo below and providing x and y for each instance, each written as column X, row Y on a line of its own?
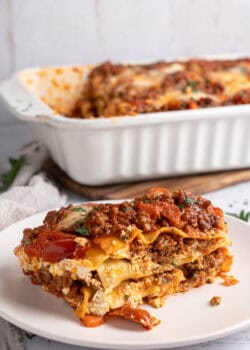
column 197, row 184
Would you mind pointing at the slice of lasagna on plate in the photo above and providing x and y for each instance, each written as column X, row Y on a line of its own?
column 108, row 259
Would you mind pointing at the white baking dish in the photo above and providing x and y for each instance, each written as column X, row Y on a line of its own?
column 102, row 151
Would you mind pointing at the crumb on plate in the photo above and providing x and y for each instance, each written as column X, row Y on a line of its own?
column 229, row 280
column 214, row 301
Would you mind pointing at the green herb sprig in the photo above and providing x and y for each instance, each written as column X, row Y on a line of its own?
column 188, row 201
column 243, row 215
column 124, row 209
column 28, row 242
column 82, row 210
column 30, row 335
column 192, row 84
column 7, row 178
column 83, row 231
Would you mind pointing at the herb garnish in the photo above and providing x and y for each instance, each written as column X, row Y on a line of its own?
column 83, row 210
column 192, row 84
column 7, row 178
column 28, row 242
column 29, row 335
column 188, row 201
column 245, row 216
column 124, row 209
column 92, row 211
column 207, row 81
column 244, row 70
column 83, row 231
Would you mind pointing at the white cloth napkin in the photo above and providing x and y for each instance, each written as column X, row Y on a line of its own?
column 22, row 201
column 28, row 195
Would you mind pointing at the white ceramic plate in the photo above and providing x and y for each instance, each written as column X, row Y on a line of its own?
column 185, row 319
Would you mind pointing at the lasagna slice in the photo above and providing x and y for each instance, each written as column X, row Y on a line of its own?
column 130, row 89
column 106, row 260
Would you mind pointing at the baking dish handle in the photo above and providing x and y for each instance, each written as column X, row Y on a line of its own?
column 22, row 103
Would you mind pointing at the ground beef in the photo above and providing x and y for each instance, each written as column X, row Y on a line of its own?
column 241, row 97
column 152, row 211
column 163, row 248
column 62, row 286
column 214, row 301
column 53, row 217
column 115, row 89
column 205, row 263
column 139, row 250
column 54, row 284
column 203, row 270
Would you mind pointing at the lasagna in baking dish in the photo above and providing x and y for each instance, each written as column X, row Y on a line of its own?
column 129, row 89
column 106, row 260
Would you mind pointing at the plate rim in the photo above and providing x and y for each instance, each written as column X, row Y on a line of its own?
column 162, row 344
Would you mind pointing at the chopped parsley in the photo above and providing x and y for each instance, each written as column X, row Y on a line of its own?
column 207, row 81
column 188, row 201
column 241, row 93
column 192, row 84
column 243, row 215
column 7, row 178
column 29, row 335
column 91, row 212
column 83, row 210
column 244, row 70
column 83, row 231
column 28, row 242
column 124, row 209
column 96, row 208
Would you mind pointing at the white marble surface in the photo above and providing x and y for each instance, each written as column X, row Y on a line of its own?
column 231, row 199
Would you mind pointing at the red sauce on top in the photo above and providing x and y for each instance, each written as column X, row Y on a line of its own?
column 137, row 315
column 52, row 246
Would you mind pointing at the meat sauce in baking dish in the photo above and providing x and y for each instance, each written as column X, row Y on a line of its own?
column 130, row 89
column 106, row 260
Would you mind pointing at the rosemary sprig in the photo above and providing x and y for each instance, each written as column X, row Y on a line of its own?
column 7, row 178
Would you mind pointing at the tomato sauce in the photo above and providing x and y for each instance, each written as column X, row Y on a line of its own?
column 52, row 246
